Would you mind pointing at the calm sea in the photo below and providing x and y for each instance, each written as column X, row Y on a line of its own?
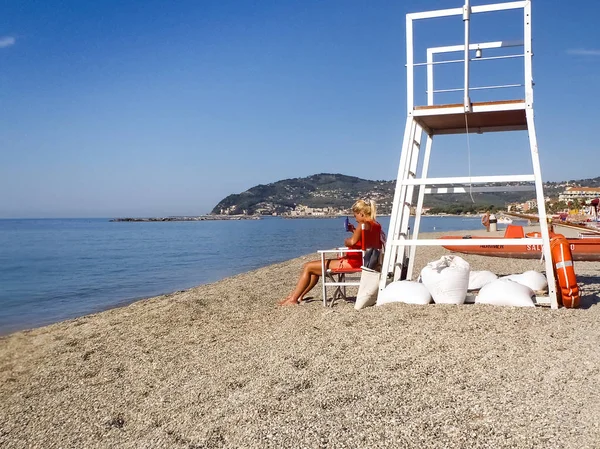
column 55, row 269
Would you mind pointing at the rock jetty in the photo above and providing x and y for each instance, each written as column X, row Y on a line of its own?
column 198, row 218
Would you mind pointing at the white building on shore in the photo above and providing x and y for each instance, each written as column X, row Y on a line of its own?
column 571, row 193
column 302, row 211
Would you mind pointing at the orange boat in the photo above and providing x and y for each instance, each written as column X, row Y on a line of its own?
column 583, row 249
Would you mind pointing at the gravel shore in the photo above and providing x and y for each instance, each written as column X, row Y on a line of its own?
column 221, row 365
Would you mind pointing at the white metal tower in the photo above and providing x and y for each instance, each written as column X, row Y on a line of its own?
column 433, row 120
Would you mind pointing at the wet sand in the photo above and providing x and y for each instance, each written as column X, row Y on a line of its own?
column 221, row 366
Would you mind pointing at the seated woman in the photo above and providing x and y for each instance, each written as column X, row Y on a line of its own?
column 364, row 213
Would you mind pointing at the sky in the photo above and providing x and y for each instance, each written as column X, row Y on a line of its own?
column 159, row 108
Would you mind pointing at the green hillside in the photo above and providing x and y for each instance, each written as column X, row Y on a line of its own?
column 337, row 191
column 322, row 190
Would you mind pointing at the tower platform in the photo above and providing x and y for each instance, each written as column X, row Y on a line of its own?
column 485, row 117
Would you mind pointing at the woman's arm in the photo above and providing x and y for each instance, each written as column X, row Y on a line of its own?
column 357, row 234
column 355, row 237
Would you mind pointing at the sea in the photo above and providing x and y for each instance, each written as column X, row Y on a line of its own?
column 57, row 269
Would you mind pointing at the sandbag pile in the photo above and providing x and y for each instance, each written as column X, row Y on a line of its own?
column 477, row 279
column 444, row 280
column 449, row 279
column 532, row 279
column 506, row 292
column 409, row 292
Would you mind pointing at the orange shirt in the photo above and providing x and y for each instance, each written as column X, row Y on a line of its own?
column 372, row 240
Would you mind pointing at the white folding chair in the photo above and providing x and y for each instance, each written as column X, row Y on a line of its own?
column 338, row 277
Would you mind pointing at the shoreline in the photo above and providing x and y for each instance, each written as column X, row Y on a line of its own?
column 121, row 301
column 185, row 218
column 219, row 365
column 124, row 302
column 261, row 217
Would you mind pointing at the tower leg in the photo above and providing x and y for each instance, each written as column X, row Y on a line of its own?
column 419, row 209
column 401, row 271
column 537, row 172
column 398, row 211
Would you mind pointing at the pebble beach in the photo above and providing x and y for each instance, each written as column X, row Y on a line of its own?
column 221, row 366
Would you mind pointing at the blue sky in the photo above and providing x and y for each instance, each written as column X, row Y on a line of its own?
column 156, row 108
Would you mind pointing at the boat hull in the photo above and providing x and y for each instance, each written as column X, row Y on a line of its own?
column 586, row 249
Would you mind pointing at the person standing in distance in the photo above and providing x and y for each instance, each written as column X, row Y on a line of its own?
column 485, row 220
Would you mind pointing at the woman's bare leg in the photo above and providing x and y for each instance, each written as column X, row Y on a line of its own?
column 313, row 281
column 308, row 279
column 310, row 268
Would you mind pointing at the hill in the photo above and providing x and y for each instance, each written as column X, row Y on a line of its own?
column 319, row 191
column 337, row 191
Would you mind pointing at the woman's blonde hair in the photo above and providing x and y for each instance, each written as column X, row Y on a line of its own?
column 369, row 209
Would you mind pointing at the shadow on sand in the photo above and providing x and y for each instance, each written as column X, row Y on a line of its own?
column 589, row 297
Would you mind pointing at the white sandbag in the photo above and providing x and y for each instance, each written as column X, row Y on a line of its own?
column 368, row 288
column 447, row 279
column 505, row 292
column 533, row 279
column 409, row 292
column 478, row 279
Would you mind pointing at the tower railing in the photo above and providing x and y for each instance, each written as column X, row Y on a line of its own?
column 466, row 11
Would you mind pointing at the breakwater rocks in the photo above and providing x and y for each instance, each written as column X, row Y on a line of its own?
column 198, row 218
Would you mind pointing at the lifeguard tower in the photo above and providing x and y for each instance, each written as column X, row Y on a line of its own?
column 424, row 122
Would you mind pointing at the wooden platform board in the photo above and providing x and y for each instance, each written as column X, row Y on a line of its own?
column 450, row 118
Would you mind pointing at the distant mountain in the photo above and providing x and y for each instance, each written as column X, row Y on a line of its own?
column 320, row 191
column 337, row 191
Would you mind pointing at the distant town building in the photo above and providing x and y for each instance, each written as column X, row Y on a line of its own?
column 571, row 193
column 304, row 211
column 523, row 207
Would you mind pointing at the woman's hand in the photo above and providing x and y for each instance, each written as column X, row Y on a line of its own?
column 355, row 237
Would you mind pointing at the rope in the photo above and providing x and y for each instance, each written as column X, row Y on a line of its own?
column 469, row 157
